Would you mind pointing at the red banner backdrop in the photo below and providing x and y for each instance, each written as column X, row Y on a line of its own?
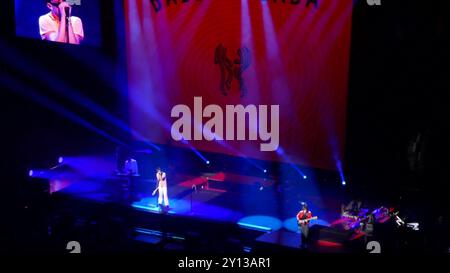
column 291, row 53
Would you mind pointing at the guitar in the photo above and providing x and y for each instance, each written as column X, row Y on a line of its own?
column 300, row 222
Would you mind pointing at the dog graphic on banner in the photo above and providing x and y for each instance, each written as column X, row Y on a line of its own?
column 230, row 70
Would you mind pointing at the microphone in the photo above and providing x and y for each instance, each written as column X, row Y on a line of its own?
column 67, row 9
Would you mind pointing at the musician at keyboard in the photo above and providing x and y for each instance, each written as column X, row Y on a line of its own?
column 131, row 167
column 130, row 172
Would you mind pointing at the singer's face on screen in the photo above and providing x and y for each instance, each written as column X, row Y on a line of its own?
column 53, row 5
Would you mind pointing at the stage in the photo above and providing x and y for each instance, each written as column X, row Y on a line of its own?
column 253, row 211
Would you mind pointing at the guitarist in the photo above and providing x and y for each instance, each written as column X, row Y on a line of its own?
column 303, row 218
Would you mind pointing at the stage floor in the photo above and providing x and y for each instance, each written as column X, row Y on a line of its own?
column 249, row 201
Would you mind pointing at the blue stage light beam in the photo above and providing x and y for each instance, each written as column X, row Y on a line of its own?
column 285, row 158
column 251, row 78
column 273, row 53
column 57, row 85
column 279, row 82
column 269, row 29
column 32, row 94
column 341, row 171
column 40, row 173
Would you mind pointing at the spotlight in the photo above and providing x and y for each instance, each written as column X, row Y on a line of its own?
column 30, row 173
column 265, row 171
column 60, row 160
column 344, row 183
column 304, row 177
column 207, row 162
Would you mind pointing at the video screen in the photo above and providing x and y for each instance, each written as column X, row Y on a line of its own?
column 75, row 22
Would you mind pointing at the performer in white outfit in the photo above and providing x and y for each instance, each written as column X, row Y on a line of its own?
column 161, row 188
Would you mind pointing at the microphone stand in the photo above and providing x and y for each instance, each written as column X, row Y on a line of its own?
column 67, row 29
column 194, row 190
column 67, row 25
